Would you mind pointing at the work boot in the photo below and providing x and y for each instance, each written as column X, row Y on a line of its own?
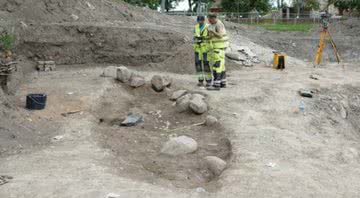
column 213, row 88
column 208, row 84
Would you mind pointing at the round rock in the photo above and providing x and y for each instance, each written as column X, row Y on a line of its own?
column 183, row 103
column 179, row 146
column 215, row 165
column 198, row 105
column 123, row 74
column 211, row 120
column 160, row 82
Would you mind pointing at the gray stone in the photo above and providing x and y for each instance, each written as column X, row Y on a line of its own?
column 179, row 146
column 215, row 165
column 177, row 94
column 74, row 17
column 46, row 66
column 211, row 120
column 160, row 82
column 183, row 103
column 123, row 74
column 197, row 95
column 198, row 105
column 137, row 81
column 109, row 71
column 235, row 56
column 305, row 93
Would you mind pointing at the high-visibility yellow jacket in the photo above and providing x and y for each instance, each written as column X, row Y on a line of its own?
column 218, row 42
column 200, row 38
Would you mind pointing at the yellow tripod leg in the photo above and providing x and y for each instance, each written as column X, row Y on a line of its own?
column 320, row 48
column 337, row 55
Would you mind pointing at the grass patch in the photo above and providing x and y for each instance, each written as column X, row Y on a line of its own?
column 7, row 40
column 287, row 27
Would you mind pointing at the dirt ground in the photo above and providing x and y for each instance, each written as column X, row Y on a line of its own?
column 272, row 149
column 303, row 45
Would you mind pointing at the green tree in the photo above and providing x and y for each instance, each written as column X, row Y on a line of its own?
column 312, row 4
column 346, row 5
column 262, row 6
column 152, row 4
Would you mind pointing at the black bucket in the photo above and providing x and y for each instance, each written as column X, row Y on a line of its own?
column 36, row 101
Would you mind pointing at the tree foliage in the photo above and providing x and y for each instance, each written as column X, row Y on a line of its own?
column 246, row 5
column 312, row 4
column 154, row 4
column 346, row 5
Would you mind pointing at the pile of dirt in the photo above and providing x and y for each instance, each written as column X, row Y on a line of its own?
column 85, row 32
column 82, row 11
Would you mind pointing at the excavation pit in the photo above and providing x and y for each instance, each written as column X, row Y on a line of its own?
column 137, row 150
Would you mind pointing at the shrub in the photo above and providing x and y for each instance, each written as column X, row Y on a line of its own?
column 7, row 40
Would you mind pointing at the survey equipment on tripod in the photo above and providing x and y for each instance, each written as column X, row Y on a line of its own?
column 325, row 35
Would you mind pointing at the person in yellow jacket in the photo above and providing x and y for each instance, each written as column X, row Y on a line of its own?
column 202, row 65
column 217, row 44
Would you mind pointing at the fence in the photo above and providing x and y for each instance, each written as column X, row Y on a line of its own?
column 253, row 17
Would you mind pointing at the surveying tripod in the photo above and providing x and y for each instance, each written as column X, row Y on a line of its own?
column 323, row 35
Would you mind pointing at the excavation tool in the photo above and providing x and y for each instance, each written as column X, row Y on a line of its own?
column 324, row 34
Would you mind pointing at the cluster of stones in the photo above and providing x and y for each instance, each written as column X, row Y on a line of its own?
column 46, row 66
column 185, row 101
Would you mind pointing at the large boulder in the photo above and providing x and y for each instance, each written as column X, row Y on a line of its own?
column 159, row 83
column 183, row 103
column 179, row 146
column 197, row 104
column 123, row 74
column 137, row 81
column 177, row 94
column 215, row 164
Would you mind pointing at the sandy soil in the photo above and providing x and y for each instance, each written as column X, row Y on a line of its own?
column 278, row 151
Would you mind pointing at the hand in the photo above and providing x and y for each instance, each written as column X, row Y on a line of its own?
column 211, row 31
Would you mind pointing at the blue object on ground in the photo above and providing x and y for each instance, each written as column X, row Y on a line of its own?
column 132, row 120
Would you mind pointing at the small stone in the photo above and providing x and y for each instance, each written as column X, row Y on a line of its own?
column 314, row 77
column 160, row 82
column 306, row 93
column 235, row 56
column 198, row 105
column 177, row 94
column 179, row 146
column 200, row 190
column 74, row 17
column 23, row 24
column 123, row 74
column 343, row 112
column 112, row 195
column 215, row 165
column 137, row 81
column 211, row 120
column 109, row 71
column 183, row 103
